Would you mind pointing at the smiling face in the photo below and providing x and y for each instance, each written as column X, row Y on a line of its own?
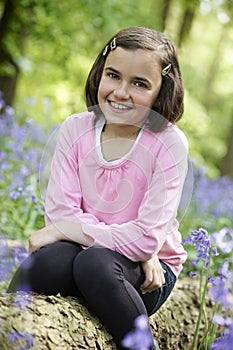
column 129, row 85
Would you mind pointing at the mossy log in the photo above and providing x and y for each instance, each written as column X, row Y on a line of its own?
column 57, row 323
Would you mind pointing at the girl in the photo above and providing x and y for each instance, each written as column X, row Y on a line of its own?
column 116, row 180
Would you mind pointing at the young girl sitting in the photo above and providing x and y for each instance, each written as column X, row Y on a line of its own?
column 117, row 174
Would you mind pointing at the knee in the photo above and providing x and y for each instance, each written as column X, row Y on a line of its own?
column 93, row 266
column 52, row 259
column 90, row 261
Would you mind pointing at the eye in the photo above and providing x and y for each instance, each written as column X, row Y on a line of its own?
column 113, row 76
column 140, row 84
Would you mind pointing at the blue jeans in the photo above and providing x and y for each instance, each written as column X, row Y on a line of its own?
column 107, row 281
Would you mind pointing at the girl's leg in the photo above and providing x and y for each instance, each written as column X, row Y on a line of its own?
column 110, row 283
column 48, row 270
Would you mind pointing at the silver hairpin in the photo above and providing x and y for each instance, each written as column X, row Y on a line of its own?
column 105, row 50
column 166, row 70
column 113, row 44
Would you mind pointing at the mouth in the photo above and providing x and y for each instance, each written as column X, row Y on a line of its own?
column 120, row 107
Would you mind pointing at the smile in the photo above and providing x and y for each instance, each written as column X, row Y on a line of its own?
column 119, row 106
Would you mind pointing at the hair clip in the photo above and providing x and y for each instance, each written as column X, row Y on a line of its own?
column 113, row 44
column 105, row 50
column 166, row 70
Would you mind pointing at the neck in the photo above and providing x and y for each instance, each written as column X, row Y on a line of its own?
column 121, row 131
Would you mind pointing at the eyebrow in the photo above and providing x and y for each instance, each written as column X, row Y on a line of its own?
column 136, row 78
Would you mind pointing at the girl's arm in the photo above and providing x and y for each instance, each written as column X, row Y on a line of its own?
column 58, row 232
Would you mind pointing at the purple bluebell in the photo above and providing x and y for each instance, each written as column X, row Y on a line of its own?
column 19, row 254
column 221, row 321
column 226, row 340
column 224, row 239
column 192, row 274
column 200, row 240
column 140, row 338
column 23, row 299
column 14, row 337
column 6, row 263
column 222, row 287
column 211, row 199
column 21, row 150
column 224, row 270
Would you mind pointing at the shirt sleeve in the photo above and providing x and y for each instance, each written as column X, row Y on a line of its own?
column 143, row 237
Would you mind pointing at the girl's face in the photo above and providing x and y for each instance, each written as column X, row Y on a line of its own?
column 129, row 85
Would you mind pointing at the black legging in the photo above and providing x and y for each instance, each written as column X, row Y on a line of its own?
column 108, row 281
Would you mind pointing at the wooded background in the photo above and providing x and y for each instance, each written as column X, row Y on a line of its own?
column 48, row 47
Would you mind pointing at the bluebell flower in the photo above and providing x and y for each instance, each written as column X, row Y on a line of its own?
column 140, row 338
column 226, row 340
column 200, row 240
column 14, row 337
column 222, row 287
column 221, row 321
column 6, row 263
column 211, row 198
column 192, row 274
column 23, row 301
column 224, row 270
column 19, row 254
column 224, row 239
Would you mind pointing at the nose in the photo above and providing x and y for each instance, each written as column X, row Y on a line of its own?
column 121, row 92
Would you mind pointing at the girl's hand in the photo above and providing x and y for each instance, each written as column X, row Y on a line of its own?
column 60, row 231
column 154, row 275
column 46, row 235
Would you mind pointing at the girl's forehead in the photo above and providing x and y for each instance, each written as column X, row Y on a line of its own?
column 122, row 57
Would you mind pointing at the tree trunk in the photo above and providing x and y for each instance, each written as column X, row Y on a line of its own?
column 9, row 69
column 190, row 8
column 166, row 7
column 15, row 23
column 57, row 323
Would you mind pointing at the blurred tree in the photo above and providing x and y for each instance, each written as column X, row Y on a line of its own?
column 8, row 65
column 189, row 11
column 165, row 13
column 15, row 21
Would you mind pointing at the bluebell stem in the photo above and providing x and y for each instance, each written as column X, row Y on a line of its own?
column 201, row 241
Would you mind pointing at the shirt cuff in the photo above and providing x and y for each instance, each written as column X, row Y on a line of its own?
column 101, row 235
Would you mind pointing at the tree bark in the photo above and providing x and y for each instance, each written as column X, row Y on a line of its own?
column 58, row 323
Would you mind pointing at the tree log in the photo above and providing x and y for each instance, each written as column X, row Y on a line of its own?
column 57, row 323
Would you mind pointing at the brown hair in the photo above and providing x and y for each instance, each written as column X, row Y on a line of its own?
column 169, row 102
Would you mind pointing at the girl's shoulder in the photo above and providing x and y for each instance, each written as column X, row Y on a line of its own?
column 79, row 123
column 172, row 135
column 79, row 119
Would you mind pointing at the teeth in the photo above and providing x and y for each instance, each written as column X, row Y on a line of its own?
column 119, row 106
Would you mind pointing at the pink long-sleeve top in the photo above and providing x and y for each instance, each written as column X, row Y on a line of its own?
column 128, row 205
